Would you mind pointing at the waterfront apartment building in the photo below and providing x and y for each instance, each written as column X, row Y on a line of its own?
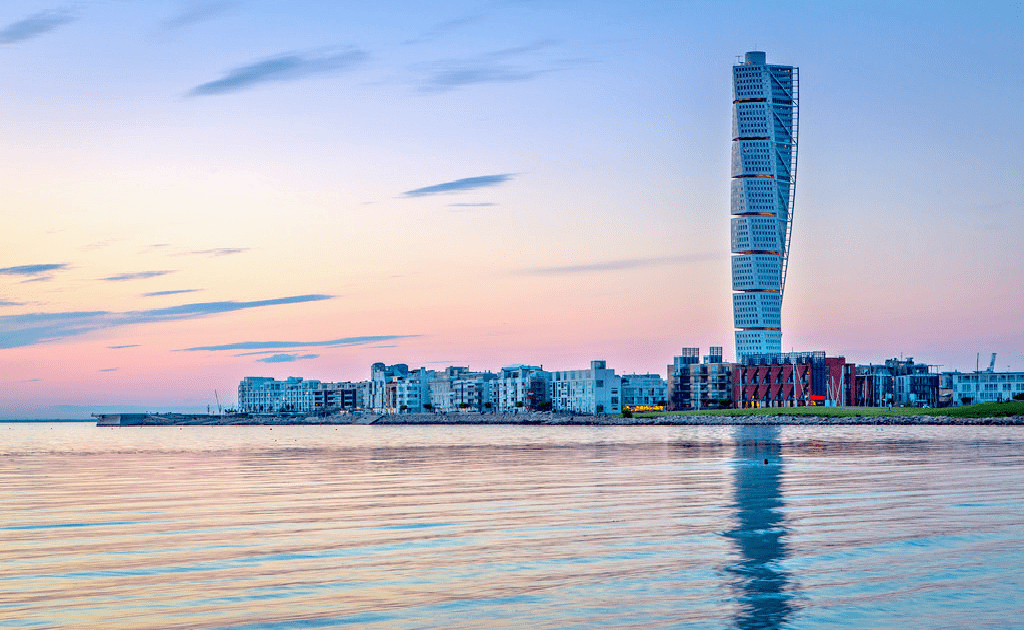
column 458, row 389
column 263, row 394
column 899, row 382
column 408, row 392
column 592, row 391
column 520, row 387
column 643, row 390
column 259, row 393
column 764, row 158
column 381, row 376
column 696, row 385
column 972, row 388
column 344, row 396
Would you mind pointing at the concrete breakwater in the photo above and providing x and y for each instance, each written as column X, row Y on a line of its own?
column 184, row 419
column 533, row 418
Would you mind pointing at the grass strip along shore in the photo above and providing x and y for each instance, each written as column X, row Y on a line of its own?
column 1010, row 412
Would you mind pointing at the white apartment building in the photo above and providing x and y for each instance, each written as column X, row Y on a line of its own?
column 263, row 394
column 472, row 392
column 408, row 393
column 520, row 387
column 983, row 387
column 592, row 391
column 456, row 388
column 380, row 376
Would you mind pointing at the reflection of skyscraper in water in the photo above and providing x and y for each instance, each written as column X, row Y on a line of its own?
column 762, row 587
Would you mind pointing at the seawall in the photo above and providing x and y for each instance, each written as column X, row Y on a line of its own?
column 535, row 418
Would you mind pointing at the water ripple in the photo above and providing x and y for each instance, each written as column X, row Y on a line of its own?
column 241, row 528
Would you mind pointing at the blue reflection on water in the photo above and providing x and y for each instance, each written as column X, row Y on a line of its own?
column 763, row 589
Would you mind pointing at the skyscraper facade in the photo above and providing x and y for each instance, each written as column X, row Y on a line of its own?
column 764, row 149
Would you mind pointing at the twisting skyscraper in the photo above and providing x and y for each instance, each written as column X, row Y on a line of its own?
column 764, row 139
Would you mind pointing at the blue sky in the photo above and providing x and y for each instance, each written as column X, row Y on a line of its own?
column 484, row 183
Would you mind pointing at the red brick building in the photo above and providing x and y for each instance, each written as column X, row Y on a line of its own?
column 793, row 379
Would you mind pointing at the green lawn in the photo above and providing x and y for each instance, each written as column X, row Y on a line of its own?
column 987, row 410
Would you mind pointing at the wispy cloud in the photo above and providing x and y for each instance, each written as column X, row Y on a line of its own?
column 172, row 292
column 445, row 27
column 97, row 245
column 460, row 185
column 287, row 67
column 9, row 303
column 500, row 66
column 110, row 369
column 34, row 26
column 623, row 264
column 137, row 275
column 287, row 358
column 31, row 328
column 197, row 12
column 131, row 345
column 281, row 345
column 480, row 204
column 34, row 328
column 217, row 251
column 32, row 270
column 190, row 311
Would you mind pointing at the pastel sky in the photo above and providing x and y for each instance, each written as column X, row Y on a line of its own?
column 198, row 191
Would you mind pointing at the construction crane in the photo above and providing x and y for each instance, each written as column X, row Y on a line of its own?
column 219, row 412
column 992, row 364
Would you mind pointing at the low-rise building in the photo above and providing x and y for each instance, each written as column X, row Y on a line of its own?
column 793, row 379
column 458, row 389
column 971, row 388
column 592, row 391
column 408, row 393
column 344, row 396
column 643, row 390
column 263, row 394
column 520, row 387
column 381, row 376
column 695, row 385
column 899, row 382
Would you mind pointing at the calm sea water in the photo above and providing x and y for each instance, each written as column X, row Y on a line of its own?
column 510, row 527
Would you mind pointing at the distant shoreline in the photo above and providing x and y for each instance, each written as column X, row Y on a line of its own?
column 540, row 418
